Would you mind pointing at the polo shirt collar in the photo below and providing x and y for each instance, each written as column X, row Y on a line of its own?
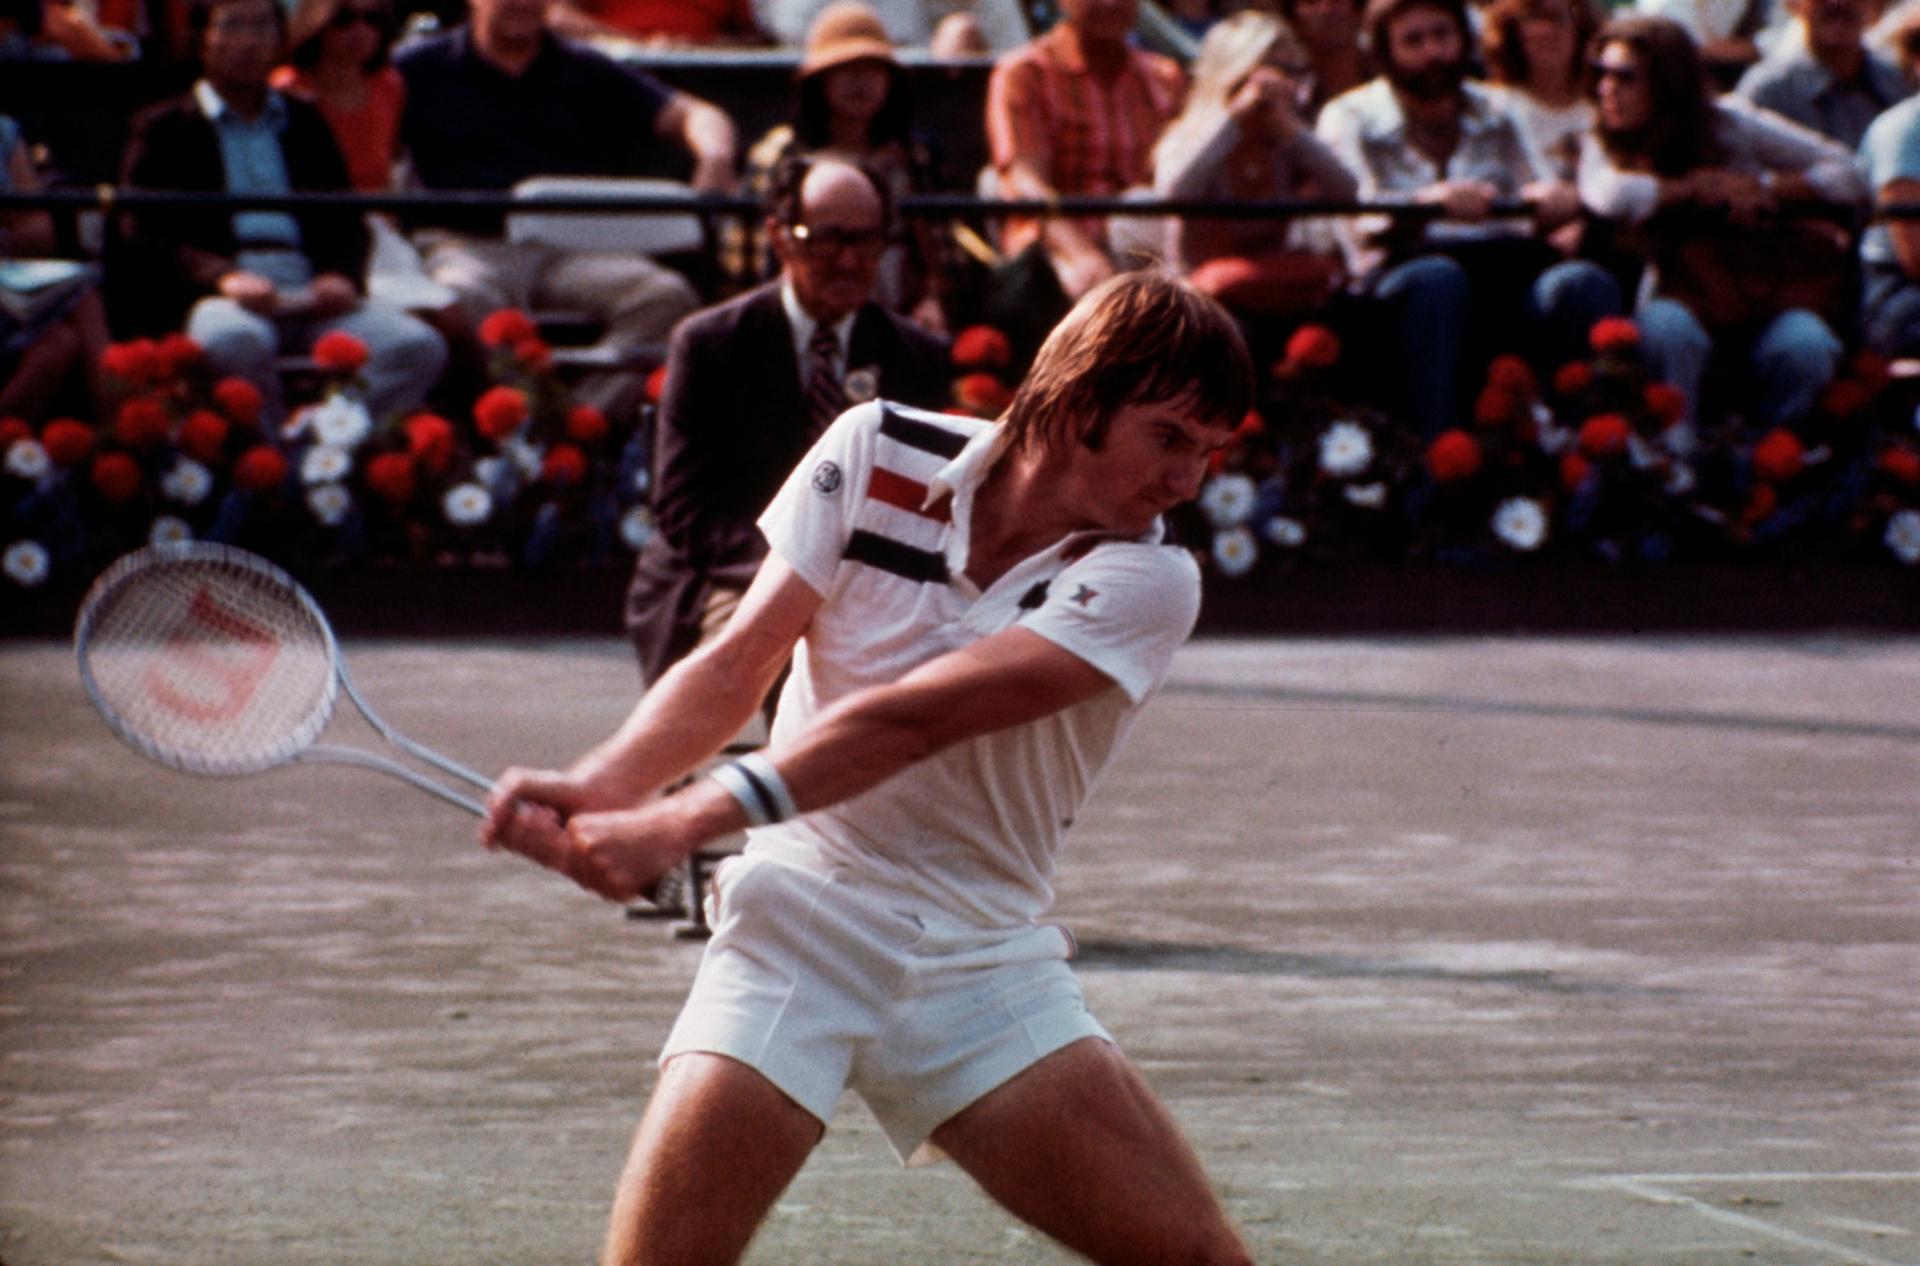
column 215, row 107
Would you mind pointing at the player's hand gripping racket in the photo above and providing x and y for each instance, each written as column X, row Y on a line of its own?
column 211, row 660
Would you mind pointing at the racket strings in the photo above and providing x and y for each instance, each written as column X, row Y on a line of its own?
column 210, row 666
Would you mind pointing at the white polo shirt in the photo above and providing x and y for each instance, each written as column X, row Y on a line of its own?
column 876, row 519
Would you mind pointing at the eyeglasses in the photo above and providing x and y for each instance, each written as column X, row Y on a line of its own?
column 827, row 242
column 347, row 15
column 1628, row 75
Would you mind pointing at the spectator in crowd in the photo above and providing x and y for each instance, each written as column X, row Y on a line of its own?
column 999, row 25
column 1330, row 32
column 1241, row 136
column 52, row 30
column 338, row 59
column 262, row 281
column 1449, row 285
column 1730, row 34
column 1890, row 248
column 813, row 342
column 1077, row 111
column 659, row 23
column 52, row 324
column 1535, row 51
column 1698, row 178
column 1824, row 77
column 850, row 102
column 501, row 99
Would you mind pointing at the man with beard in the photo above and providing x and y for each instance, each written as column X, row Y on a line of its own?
column 1422, row 132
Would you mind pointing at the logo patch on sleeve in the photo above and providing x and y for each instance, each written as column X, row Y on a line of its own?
column 827, row 479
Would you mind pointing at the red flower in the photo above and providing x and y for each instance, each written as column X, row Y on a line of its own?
column 1605, row 435
column 261, row 468
column 1513, row 374
column 1496, row 406
column 1453, row 456
column 203, row 435
column 657, row 384
column 1844, row 398
column 67, row 441
column 505, row 327
column 499, row 412
column 390, row 475
column 1761, row 504
column 136, row 362
column 179, row 352
column 982, row 347
column 1900, row 464
column 1313, row 347
column 534, row 354
column 1666, row 402
column 1778, row 456
column 1250, row 425
column 1573, row 378
column 565, row 466
column 430, row 439
column 1575, row 470
column 12, row 430
column 117, row 476
column 141, row 422
column 982, row 393
column 239, row 399
column 1871, row 371
column 586, row 424
column 339, row 352
column 1613, row 334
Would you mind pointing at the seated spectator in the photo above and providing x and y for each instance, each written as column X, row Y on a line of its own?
column 54, row 30
column 1698, row 180
column 1890, row 248
column 338, row 59
column 1077, row 112
column 500, row 100
column 1824, row 76
column 659, row 23
column 850, row 102
column 52, row 324
column 259, row 282
column 1330, row 32
column 1730, row 34
column 817, row 344
column 1450, row 286
column 999, row 25
column 1241, row 137
column 1535, row 50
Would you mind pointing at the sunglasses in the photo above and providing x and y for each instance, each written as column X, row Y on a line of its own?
column 347, row 15
column 1624, row 74
column 830, row 242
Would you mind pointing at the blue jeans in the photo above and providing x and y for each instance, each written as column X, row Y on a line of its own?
column 1793, row 358
column 404, row 354
column 1890, row 312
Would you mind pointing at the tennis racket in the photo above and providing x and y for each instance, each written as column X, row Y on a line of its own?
column 211, row 660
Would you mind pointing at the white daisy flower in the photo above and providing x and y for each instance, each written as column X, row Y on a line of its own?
column 1640, row 453
column 1227, row 500
column 1680, row 479
column 1235, row 551
column 330, row 503
column 637, row 527
column 1903, row 536
column 341, row 420
column 26, row 562
column 1371, row 496
column 1346, row 448
column 1285, row 532
column 1551, row 436
column 28, row 459
column 186, row 482
column 467, row 505
column 526, row 457
column 1520, row 523
column 1679, row 439
column 169, row 529
column 325, row 464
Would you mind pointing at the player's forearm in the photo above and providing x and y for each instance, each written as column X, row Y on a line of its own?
column 684, row 718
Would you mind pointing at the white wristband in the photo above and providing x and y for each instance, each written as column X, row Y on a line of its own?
column 753, row 781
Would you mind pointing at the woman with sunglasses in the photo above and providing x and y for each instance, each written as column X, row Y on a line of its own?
column 338, row 60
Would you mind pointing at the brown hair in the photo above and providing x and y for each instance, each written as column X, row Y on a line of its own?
column 1140, row 337
column 1380, row 15
column 1504, row 53
column 309, row 22
column 1680, row 136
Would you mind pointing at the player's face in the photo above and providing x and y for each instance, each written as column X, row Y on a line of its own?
column 1154, row 458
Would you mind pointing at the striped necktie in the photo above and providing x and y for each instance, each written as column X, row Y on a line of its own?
column 826, row 398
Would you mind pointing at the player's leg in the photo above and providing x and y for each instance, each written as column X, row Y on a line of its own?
column 716, row 1147
column 1079, row 1147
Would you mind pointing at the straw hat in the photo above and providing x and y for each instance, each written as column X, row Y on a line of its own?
column 845, row 31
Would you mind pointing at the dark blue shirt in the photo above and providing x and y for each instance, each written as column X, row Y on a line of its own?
column 572, row 112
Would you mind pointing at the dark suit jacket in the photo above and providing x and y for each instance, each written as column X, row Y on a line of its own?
column 179, row 255
column 731, row 425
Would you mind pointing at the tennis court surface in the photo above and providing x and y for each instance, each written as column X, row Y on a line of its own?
column 1581, row 952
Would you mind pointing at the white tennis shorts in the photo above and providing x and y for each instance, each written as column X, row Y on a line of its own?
column 824, row 981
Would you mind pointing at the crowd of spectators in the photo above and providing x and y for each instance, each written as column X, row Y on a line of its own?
column 1539, row 165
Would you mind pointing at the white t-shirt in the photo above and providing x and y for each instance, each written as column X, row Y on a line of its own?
column 876, row 519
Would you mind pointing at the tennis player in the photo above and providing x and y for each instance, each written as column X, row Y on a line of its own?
column 976, row 613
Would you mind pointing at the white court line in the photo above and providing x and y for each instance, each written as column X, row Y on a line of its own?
column 1649, row 1187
